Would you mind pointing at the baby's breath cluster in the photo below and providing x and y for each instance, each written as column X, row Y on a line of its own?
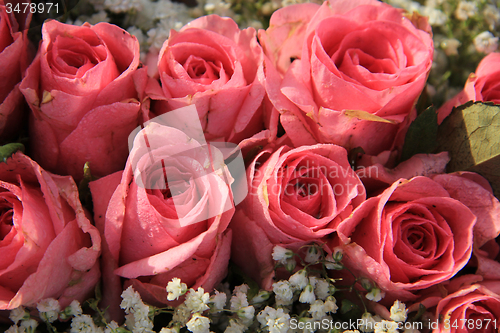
column 308, row 297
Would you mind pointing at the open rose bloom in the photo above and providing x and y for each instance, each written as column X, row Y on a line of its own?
column 359, row 68
column 85, row 92
column 164, row 216
column 213, row 64
column 296, row 196
column 49, row 247
column 410, row 237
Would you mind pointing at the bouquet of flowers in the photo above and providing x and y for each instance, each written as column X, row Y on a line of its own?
column 233, row 167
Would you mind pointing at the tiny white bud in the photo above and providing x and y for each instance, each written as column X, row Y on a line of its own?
column 307, row 295
column 281, row 254
column 312, row 254
column 375, row 295
column 299, row 280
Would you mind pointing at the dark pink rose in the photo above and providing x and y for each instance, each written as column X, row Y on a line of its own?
column 362, row 66
column 49, row 247
column 481, row 86
column 296, row 196
column 147, row 241
column 469, row 188
column 85, row 92
column 14, row 59
column 213, row 64
column 410, row 237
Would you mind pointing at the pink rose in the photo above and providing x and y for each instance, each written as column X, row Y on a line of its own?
column 213, row 64
column 469, row 188
column 147, row 241
column 14, row 57
column 465, row 304
column 362, row 67
column 49, row 247
column 85, row 91
column 481, row 86
column 296, row 196
column 410, row 237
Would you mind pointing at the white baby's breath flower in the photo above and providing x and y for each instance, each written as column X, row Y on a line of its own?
column 29, row 325
column 312, row 255
column 330, row 304
column 130, row 299
column 450, row 46
column 198, row 324
column 49, row 309
column 317, row 310
column 465, row 9
column 238, row 301
column 235, row 327
column 246, row 314
column 307, row 295
column 83, row 324
column 135, row 31
column 375, row 295
column 169, row 330
column 241, row 289
column 262, row 315
column 486, row 42
column 368, row 322
column 15, row 329
column 181, row 314
column 123, row 6
column 278, row 321
column 100, row 16
column 197, row 301
column 492, row 16
column 436, row 17
column 141, row 322
column 321, row 287
column 218, row 300
column 175, row 289
column 398, row 311
column 299, row 280
column 284, row 292
column 281, row 254
column 18, row 314
column 74, row 308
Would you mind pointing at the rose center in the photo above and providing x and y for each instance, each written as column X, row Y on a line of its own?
column 6, row 221
column 201, row 70
column 416, row 239
column 303, row 193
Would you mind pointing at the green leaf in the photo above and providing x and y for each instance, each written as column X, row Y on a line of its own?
column 347, row 306
column 471, row 135
column 421, row 135
column 7, row 150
